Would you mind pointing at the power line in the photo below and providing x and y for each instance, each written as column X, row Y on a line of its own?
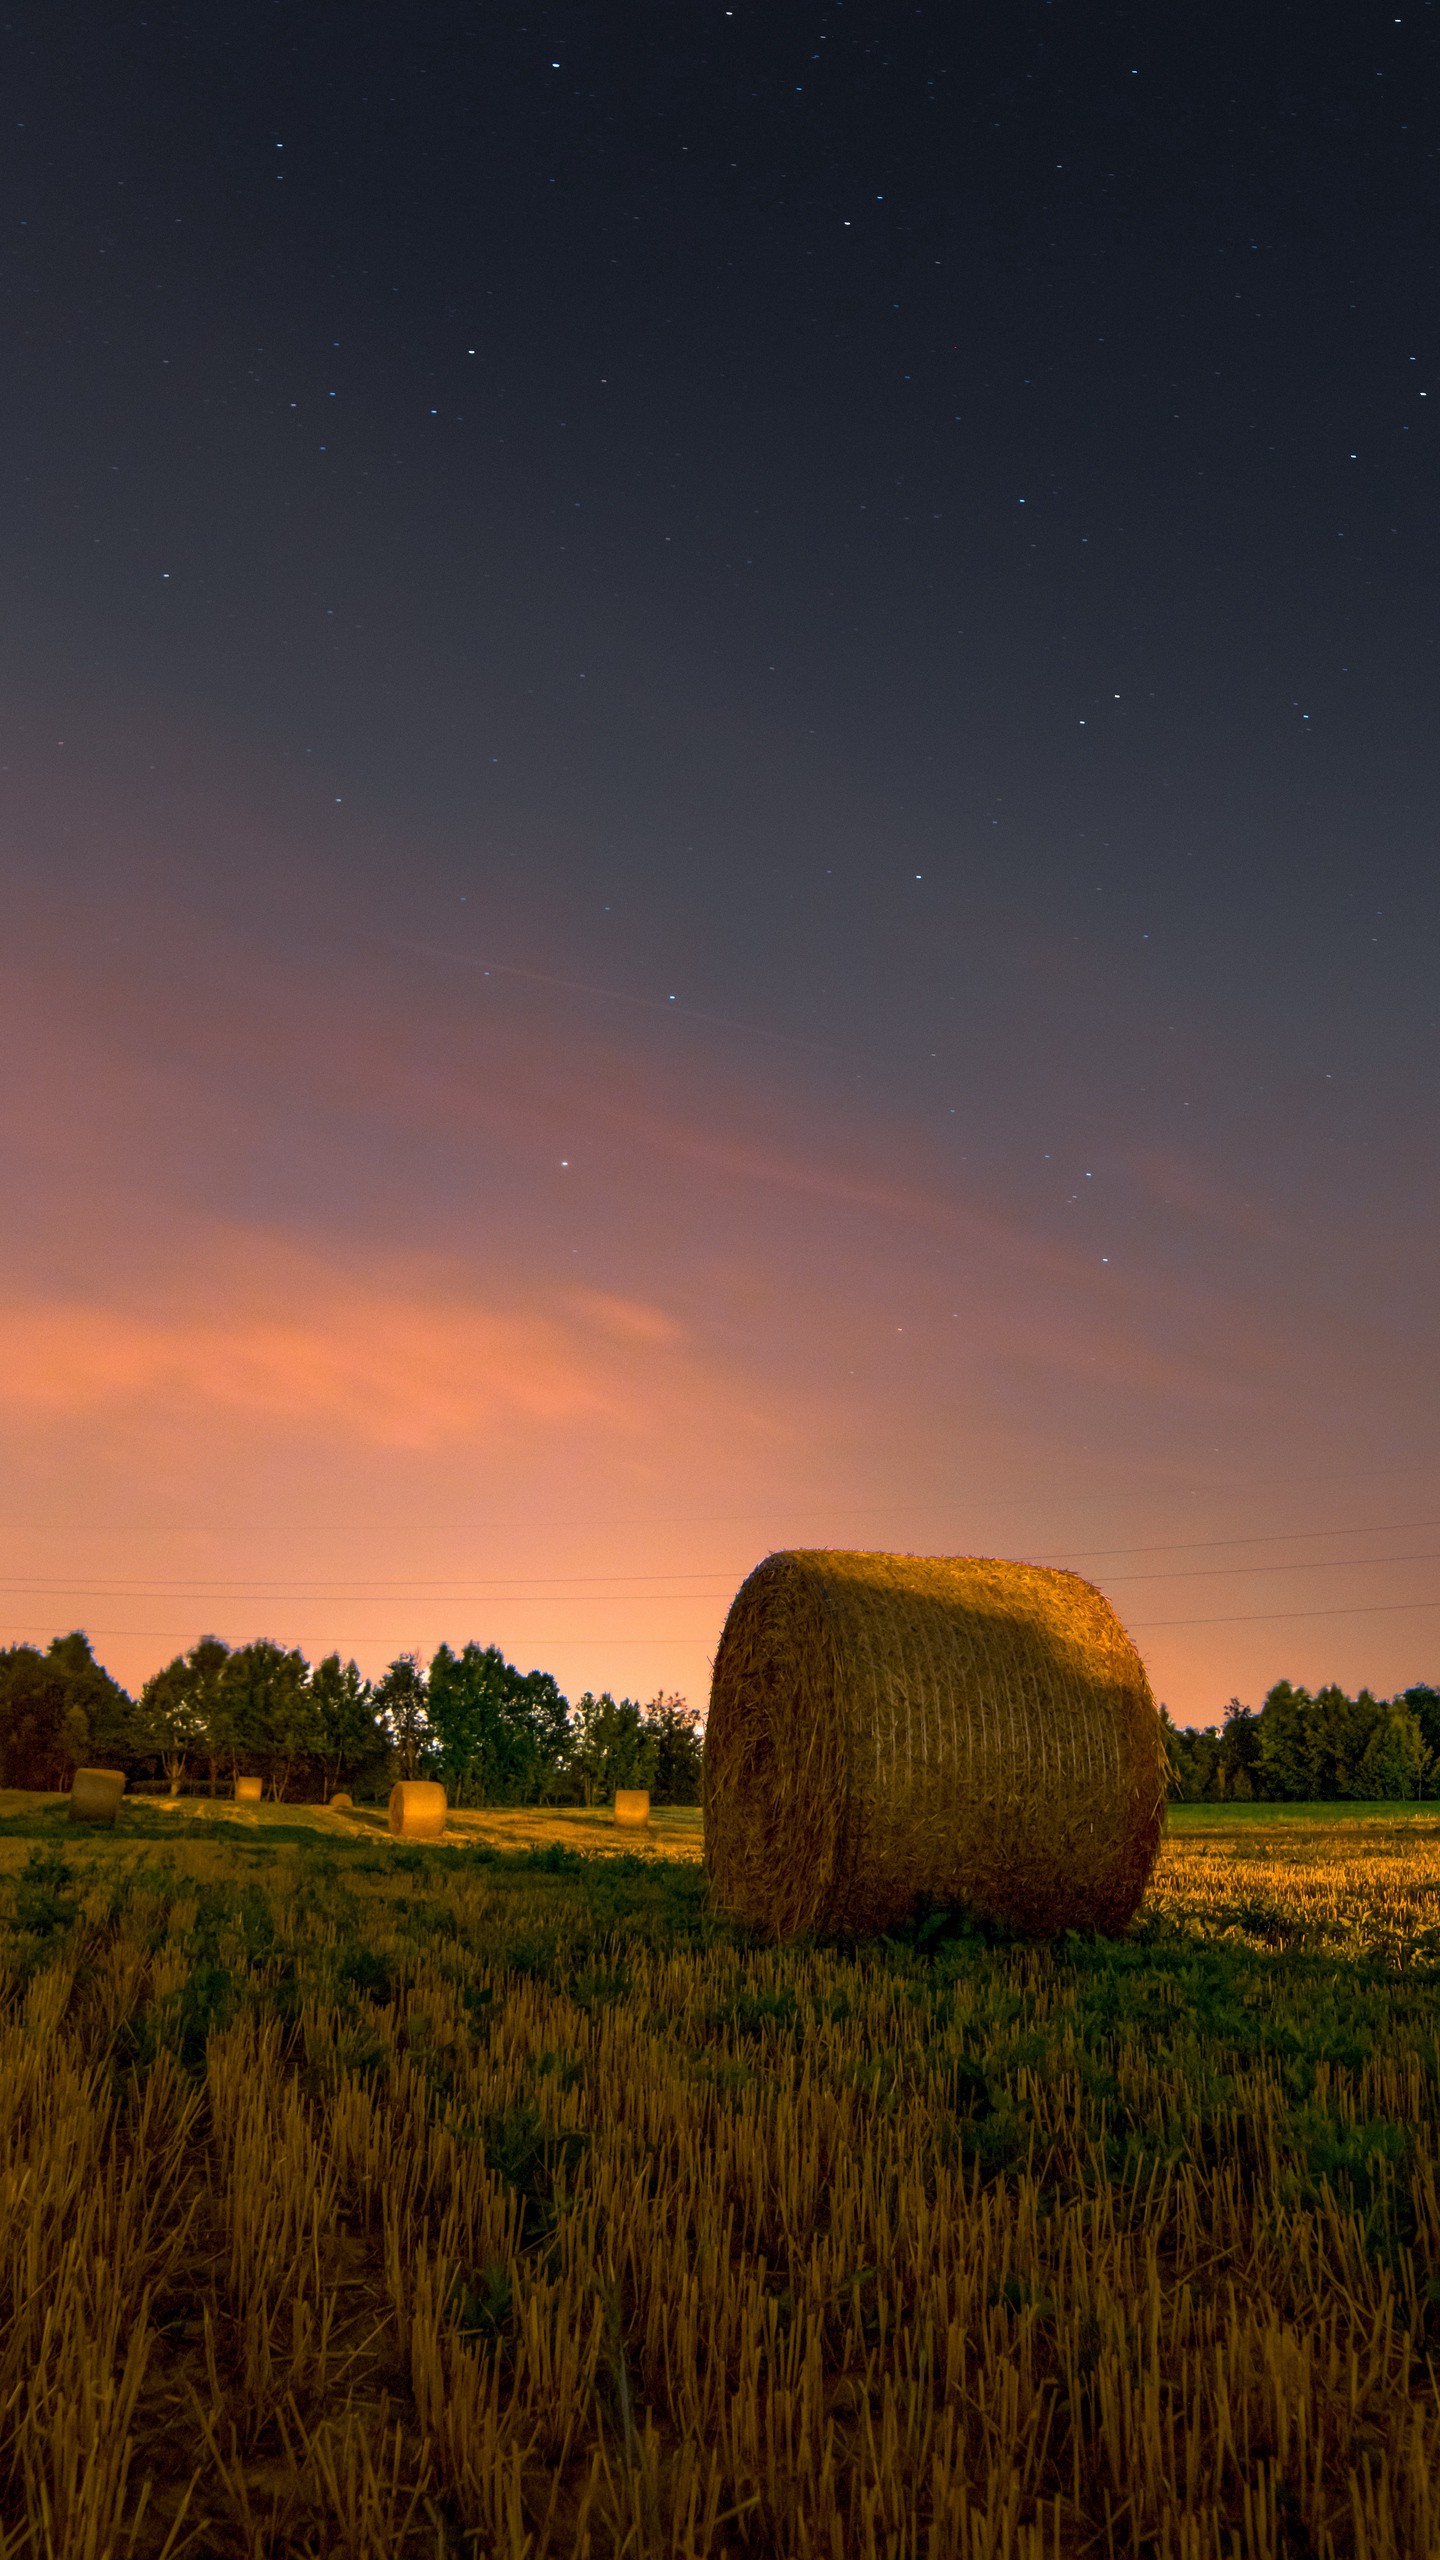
column 1314, row 1564
column 1260, row 1538
column 329, row 1636
column 187, row 1636
column 1263, row 1617
column 594, row 1585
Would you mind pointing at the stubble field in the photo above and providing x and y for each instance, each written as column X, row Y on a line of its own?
column 497, row 2199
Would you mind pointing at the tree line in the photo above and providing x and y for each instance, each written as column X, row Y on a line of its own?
column 1301, row 1748
column 493, row 1735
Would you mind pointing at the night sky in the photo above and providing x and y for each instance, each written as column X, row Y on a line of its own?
column 718, row 821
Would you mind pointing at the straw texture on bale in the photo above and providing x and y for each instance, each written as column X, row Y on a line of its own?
column 95, row 1794
column 417, row 1809
column 249, row 1790
column 887, row 1727
column 632, row 1805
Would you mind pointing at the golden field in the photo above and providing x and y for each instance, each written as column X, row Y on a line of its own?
column 499, row 2199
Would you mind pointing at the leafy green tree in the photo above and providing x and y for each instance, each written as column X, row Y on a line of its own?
column 351, row 1744
column 609, row 1746
column 57, row 1709
column 1423, row 1702
column 1396, row 1762
column 1240, row 1750
column 498, row 1734
column 178, row 1708
column 1194, row 1756
column 265, row 1712
column 403, row 1709
column 108, row 1710
column 673, row 1729
column 1209, row 1769
column 1288, row 1769
column 1342, row 1727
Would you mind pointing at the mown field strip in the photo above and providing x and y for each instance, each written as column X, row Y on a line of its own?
column 393, row 2202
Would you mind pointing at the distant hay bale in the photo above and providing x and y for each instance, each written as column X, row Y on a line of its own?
column 249, row 1790
column 95, row 1795
column 888, row 1727
column 632, row 1806
column 341, row 1803
column 417, row 1809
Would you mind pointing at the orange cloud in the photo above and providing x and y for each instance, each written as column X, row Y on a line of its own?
column 391, row 1358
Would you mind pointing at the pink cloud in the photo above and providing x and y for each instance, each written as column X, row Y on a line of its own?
column 387, row 1356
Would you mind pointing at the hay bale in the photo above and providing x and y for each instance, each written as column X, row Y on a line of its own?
column 95, row 1795
column 249, row 1790
column 417, row 1809
column 632, row 1807
column 341, row 1802
column 886, row 1727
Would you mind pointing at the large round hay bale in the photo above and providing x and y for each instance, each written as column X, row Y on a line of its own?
column 249, row 1790
column 632, row 1807
column 341, row 1801
column 885, row 1728
column 95, row 1795
column 417, row 1809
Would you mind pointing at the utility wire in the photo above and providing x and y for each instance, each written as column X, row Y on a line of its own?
column 372, row 1635
column 590, row 1585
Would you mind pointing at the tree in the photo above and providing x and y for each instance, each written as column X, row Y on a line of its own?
column 401, row 1704
column 1423, row 1702
column 1205, row 1760
column 265, row 1711
column 498, row 1734
column 350, row 1742
column 1342, row 1727
column 178, row 1708
column 1239, row 1750
column 108, row 1710
column 29, row 1724
column 1288, row 1744
column 1396, row 1762
column 1194, row 1756
column 609, row 1746
column 57, row 1709
column 674, row 1731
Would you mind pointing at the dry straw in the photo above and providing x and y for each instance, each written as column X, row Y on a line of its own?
column 341, row 1803
column 95, row 1795
column 417, row 1809
column 887, row 1727
column 249, row 1790
column 632, row 1806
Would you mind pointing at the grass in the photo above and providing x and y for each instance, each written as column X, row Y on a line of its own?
column 495, row 2198
column 674, row 1831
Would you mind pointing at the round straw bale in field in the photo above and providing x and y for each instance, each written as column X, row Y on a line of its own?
column 417, row 1809
column 95, row 1795
column 249, row 1790
column 885, row 1727
column 342, row 1802
column 632, row 1806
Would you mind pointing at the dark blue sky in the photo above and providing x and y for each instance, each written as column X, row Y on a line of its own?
column 910, row 533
